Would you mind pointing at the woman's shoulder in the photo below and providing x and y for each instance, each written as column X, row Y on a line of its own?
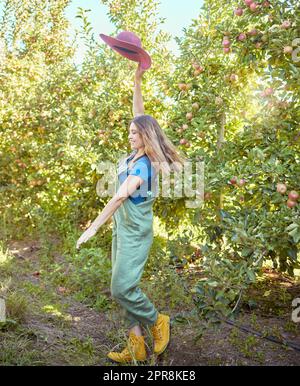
column 145, row 158
column 145, row 161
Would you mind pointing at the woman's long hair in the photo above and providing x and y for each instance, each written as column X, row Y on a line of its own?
column 160, row 150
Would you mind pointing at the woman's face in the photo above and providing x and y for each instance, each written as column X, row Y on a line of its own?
column 135, row 138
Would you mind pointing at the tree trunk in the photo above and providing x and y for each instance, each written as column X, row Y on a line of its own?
column 219, row 145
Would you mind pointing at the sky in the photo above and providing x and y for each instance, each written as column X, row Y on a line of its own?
column 178, row 14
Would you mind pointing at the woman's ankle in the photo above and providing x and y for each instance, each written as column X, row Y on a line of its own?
column 136, row 330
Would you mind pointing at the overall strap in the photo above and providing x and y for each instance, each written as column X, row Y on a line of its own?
column 149, row 172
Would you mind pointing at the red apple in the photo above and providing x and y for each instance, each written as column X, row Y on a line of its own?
column 226, row 42
column 248, row 2
column 233, row 180
column 233, row 77
column 183, row 141
column 207, row 196
column 201, row 134
column 199, row 68
column 253, row 7
column 61, row 290
column 293, row 195
column 253, row 32
column 188, row 86
column 288, row 49
column 269, row 91
column 182, row 86
column 185, row 127
column 241, row 36
column 197, row 72
column 226, row 50
column 286, row 24
column 189, row 116
column 281, row 188
column 196, row 106
column 291, row 203
column 239, row 11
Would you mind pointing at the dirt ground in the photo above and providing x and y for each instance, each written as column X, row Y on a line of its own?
column 79, row 335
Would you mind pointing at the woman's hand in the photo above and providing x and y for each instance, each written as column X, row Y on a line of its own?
column 139, row 73
column 90, row 232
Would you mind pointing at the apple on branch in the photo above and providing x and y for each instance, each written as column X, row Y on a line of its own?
column 281, row 188
column 239, row 11
column 293, row 195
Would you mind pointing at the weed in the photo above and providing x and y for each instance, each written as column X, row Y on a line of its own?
column 16, row 306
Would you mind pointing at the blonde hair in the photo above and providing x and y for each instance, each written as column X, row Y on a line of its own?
column 158, row 147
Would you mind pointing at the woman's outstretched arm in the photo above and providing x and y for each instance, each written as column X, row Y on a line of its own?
column 127, row 188
column 138, row 105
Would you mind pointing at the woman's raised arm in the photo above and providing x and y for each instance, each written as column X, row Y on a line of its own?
column 138, row 105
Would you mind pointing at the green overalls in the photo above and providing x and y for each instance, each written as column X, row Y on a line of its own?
column 132, row 236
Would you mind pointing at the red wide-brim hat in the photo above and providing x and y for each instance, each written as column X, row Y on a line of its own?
column 129, row 45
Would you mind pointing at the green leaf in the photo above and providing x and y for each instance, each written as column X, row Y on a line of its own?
column 291, row 227
column 293, row 253
column 251, row 275
column 212, row 283
column 246, row 252
column 295, row 233
column 267, row 293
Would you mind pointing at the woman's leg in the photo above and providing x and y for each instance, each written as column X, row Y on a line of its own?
column 136, row 330
column 132, row 322
column 126, row 275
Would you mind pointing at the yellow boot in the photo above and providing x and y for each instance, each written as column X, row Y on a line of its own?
column 161, row 333
column 135, row 350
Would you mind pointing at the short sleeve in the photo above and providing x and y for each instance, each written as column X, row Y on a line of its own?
column 140, row 169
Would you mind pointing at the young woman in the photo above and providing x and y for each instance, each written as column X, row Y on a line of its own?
column 132, row 234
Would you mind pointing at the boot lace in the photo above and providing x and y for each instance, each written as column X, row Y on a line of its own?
column 156, row 333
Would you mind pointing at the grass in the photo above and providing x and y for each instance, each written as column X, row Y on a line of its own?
column 16, row 306
column 19, row 350
column 248, row 346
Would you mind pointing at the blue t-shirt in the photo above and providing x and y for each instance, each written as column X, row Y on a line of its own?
column 142, row 167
